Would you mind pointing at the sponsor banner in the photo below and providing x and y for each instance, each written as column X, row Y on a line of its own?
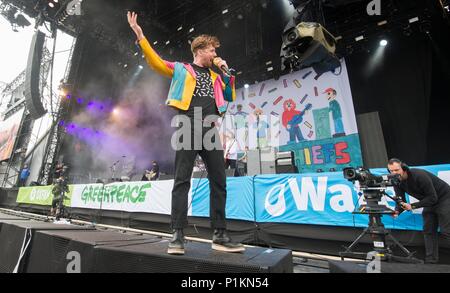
column 316, row 198
column 148, row 196
column 40, row 195
column 326, row 199
column 240, row 203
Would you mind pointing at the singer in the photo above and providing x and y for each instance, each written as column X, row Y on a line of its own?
column 196, row 91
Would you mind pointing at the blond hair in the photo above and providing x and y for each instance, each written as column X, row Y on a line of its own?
column 204, row 41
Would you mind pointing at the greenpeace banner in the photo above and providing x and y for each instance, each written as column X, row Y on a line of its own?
column 149, row 197
column 326, row 199
column 41, row 195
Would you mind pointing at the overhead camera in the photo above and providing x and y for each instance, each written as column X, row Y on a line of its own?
column 308, row 44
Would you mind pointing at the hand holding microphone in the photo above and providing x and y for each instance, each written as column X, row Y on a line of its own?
column 222, row 64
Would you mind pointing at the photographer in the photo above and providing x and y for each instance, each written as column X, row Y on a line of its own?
column 434, row 197
column 59, row 190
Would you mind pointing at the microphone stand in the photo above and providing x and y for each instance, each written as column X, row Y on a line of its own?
column 113, row 169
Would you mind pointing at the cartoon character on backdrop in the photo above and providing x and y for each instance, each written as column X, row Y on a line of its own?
column 240, row 118
column 261, row 126
column 292, row 119
column 336, row 112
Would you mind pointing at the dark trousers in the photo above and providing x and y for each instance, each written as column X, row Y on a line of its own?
column 232, row 164
column 215, row 166
column 22, row 182
column 436, row 217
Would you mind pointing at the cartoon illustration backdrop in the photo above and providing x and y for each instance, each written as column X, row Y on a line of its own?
column 308, row 114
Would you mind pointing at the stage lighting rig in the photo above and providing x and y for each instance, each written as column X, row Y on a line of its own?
column 14, row 17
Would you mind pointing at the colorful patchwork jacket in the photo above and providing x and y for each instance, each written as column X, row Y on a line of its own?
column 184, row 80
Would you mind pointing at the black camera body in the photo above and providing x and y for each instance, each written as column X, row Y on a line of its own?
column 368, row 180
column 373, row 188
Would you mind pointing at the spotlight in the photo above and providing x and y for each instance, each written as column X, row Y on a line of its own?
column 246, row 85
column 383, row 43
column 359, row 38
column 51, row 4
column 141, row 67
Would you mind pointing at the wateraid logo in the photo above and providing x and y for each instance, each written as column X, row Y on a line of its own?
column 39, row 194
column 309, row 192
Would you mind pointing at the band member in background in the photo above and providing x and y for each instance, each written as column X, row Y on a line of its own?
column 242, row 163
column 434, row 197
column 231, row 148
column 196, row 91
column 153, row 173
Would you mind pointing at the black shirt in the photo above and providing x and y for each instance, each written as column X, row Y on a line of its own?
column 203, row 95
column 425, row 186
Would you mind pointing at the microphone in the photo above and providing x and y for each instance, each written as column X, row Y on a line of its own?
column 223, row 67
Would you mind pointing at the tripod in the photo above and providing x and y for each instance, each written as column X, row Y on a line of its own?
column 377, row 231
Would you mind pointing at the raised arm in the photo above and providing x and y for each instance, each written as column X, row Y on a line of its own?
column 153, row 59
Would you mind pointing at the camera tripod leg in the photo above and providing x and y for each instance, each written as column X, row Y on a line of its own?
column 349, row 249
column 403, row 248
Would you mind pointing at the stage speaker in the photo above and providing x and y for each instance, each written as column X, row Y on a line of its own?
column 199, row 258
column 285, row 162
column 371, row 137
column 53, row 251
column 261, row 161
column 15, row 241
column 32, row 76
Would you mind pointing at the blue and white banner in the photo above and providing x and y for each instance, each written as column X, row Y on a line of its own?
column 314, row 199
column 240, row 202
column 326, row 199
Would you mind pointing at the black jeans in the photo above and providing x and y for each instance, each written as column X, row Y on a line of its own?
column 437, row 216
column 232, row 164
column 215, row 166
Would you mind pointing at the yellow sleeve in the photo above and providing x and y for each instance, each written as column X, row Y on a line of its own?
column 155, row 61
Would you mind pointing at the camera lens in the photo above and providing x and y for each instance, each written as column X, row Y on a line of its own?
column 292, row 36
